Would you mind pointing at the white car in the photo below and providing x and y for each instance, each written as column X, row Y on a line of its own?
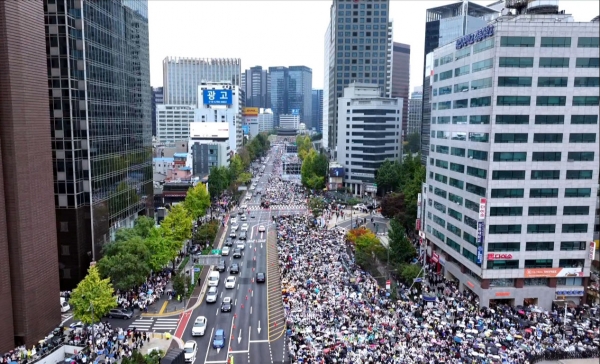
column 261, row 229
column 225, row 251
column 240, row 245
column 360, row 206
column 190, row 348
column 230, row 282
column 234, row 227
column 211, row 295
column 243, row 218
column 244, row 227
column 244, row 207
column 233, row 221
column 199, row 328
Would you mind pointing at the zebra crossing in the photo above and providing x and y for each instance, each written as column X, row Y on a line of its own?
column 279, row 207
column 155, row 324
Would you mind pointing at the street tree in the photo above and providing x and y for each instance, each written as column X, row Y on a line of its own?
column 197, row 201
column 181, row 284
column 92, row 298
column 143, row 226
column 138, row 358
column 162, row 249
column 304, row 145
column 368, row 249
column 413, row 143
column 401, row 249
column 125, row 263
column 177, row 225
column 244, row 178
column 408, row 272
column 387, row 176
column 207, row 232
column 218, row 181
column 412, row 176
column 393, row 206
column 316, row 205
column 314, row 170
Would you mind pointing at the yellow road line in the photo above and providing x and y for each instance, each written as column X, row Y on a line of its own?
column 163, row 308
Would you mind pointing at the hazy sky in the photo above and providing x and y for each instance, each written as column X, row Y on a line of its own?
column 281, row 33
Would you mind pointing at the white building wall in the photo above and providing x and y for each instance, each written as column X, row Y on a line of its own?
column 265, row 120
column 231, row 114
column 287, row 121
column 172, row 122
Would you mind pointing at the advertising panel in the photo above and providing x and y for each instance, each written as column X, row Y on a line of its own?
column 246, row 129
column 480, row 254
column 499, row 256
column 592, row 250
column 295, row 112
column 250, row 111
column 209, row 130
column 482, row 207
column 217, row 97
column 371, row 187
column 569, row 292
column 478, row 36
column 418, row 224
column 552, row 272
column 480, row 232
column 435, row 257
column 336, row 172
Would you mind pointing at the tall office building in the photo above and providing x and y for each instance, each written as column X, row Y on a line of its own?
column 401, row 78
column 414, row 112
column 157, row 99
column 513, row 167
column 100, row 105
column 29, row 285
column 443, row 25
column 279, row 100
column 300, row 93
column 317, row 110
column 358, row 48
column 173, row 122
column 255, row 86
column 181, row 76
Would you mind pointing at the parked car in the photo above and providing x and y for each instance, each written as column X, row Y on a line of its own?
column 199, row 328
column 119, row 313
column 260, row 277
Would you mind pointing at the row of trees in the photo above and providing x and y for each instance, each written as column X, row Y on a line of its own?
column 313, row 173
column 136, row 253
column 401, row 183
column 231, row 177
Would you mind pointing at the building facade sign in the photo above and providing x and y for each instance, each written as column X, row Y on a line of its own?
column 478, row 36
column 552, row 272
column 569, row 292
column 592, row 250
column 480, row 232
column 499, row 256
column 479, row 255
column 482, row 207
column 250, row 111
column 435, row 257
column 217, row 97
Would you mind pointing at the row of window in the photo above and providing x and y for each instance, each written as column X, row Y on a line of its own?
column 534, row 263
column 536, row 229
column 514, row 119
column 510, row 282
column 536, row 246
column 513, row 156
column 516, row 101
column 506, row 138
column 540, row 211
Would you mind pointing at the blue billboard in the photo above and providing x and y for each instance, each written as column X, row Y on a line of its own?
column 479, row 255
column 246, row 129
column 217, row 97
column 295, row 112
column 336, row 172
column 480, row 232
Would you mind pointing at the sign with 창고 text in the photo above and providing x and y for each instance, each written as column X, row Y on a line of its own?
column 217, row 97
column 478, row 36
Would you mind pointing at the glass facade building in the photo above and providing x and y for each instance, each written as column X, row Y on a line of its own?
column 100, row 110
column 290, row 91
column 317, row 110
column 401, row 78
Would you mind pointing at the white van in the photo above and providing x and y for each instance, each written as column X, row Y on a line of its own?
column 213, row 278
column 64, row 305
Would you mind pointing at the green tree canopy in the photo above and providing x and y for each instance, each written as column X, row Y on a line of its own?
column 218, row 181
column 304, row 145
column 162, row 249
column 197, row 201
column 314, row 170
column 126, row 263
column 143, row 226
column 401, row 248
column 177, row 225
column 413, row 143
column 388, row 175
column 393, row 206
column 92, row 292
column 316, row 205
column 409, row 272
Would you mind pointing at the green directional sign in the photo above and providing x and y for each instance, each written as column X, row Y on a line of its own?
column 215, row 251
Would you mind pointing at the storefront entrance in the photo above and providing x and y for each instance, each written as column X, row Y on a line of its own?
column 503, row 301
column 530, row 302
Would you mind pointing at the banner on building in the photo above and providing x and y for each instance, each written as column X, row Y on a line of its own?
column 499, row 256
column 480, row 232
column 479, row 255
column 592, row 250
column 482, row 208
column 553, row 272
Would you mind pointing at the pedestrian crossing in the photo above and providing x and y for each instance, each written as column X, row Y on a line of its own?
column 279, row 207
column 155, row 324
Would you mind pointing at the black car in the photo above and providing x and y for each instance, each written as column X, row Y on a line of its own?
column 234, row 269
column 221, row 266
column 237, row 253
column 119, row 313
column 260, row 277
column 243, row 235
column 229, row 242
column 226, row 305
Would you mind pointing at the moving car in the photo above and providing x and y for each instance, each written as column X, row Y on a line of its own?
column 199, row 328
column 232, row 234
column 221, row 266
column 234, row 227
column 261, row 229
column 64, row 305
column 229, row 242
column 225, row 251
column 119, row 313
column 219, row 340
column 190, row 348
column 213, row 278
column 260, row 277
column 211, row 295
column 243, row 218
column 226, row 304
column 234, row 269
column 243, row 206
column 230, row 282
column 240, row 245
column 245, row 227
column 233, row 220
column 237, row 253
column 243, row 235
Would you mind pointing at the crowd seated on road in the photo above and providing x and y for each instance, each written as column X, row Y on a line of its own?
column 281, row 192
column 146, row 294
column 337, row 313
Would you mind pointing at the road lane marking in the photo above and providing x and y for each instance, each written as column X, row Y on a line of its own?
column 208, row 349
column 164, row 306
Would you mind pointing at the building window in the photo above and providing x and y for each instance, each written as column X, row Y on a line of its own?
column 512, row 119
column 571, row 263
column 479, row 137
column 543, row 193
column 584, row 119
column 552, row 81
column 470, row 256
column 556, row 42
column 457, row 167
column 506, row 41
column 445, row 75
column 585, row 100
column 554, row 62
column 546, row 156
column 459, row 152
column 547, row 138
column 481, row 101
column 469, row 238
column 441, row 149
column 513, row 100
column 541, row 228
column 481, row 83
column 459, row 120
column 461, row 104
column 508, row 175
column 515, row 62
column 573, row 245
column 502, row 264
column 477, row 172
column 542, row 211
column 535, row 282
column 454, row 230
column 507, row 192
column 64, row 250
column 580, row 156
column 580, row 174
column 582, row 138
column 465, row 52
column 510, row 156
column 455, row 214
column 545, row 175
column 578, row 192
column 477, row 190
column 441, row 164
column 460, row 71
column 550, row 119
column 66, row 273
column 539, row 246
column 551, row 101
column 506, row 211
column 473, row 206
column 538, row 263
column 455, row 198
column 479, row 119
column 576, row 210
column 514, row 81
column 482, row 46
column 504, row 247
column 503, row 138
column 593, row 62
column 575, row 281
column 64, row 227
column 587, row 42
column 470, row 222
column 461, row 87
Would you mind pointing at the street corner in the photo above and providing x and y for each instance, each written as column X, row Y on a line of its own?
column 165, row 308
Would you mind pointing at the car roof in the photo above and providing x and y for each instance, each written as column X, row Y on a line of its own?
column 227, row 299
column 200, row 318
column 231, row 277
column 212, row 289
column 190, row 343
column 220, row 332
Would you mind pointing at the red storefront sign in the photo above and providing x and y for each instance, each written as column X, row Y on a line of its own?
column 435, row 257
column 592, row 250
column 501, row 256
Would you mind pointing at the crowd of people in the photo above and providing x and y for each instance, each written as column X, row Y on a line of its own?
column 337, row 313
column 146, row 294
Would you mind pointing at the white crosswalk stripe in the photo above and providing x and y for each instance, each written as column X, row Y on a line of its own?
column 165, row 324
column 288, row 207
column 142, row 324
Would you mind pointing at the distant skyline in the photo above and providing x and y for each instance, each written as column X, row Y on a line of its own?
column 281, row 33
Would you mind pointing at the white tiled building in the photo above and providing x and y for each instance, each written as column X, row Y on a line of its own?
column 512, row 173
column 229, row 112
column 173, row 122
